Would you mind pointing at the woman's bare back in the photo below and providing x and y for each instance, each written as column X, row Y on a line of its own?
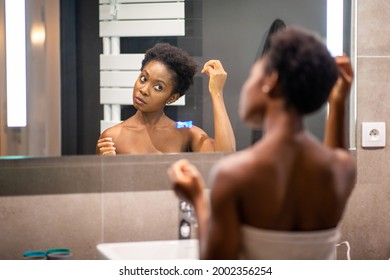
column 293, row 184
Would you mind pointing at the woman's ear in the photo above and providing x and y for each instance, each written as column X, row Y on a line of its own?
column 271, row 85
column 173, row 98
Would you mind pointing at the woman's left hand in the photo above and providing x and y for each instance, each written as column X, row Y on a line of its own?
column 342, row 87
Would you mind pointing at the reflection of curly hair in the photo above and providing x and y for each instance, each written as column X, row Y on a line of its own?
column 307, row 71
column 177, row 60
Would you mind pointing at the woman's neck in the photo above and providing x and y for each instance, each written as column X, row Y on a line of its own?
column 150, row 119
column 286, row 121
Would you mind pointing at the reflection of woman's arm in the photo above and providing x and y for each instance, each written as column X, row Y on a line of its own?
column 335, row 126
column 224, row 140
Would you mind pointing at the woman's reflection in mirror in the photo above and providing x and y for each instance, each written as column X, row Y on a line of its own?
column 166, row 74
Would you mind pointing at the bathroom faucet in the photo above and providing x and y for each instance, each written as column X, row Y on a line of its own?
column 187, row 220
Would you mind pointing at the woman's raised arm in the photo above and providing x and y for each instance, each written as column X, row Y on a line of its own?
column 335, row 128
column 224, row 140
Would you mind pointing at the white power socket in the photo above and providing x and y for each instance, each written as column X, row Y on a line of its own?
column 373, row 134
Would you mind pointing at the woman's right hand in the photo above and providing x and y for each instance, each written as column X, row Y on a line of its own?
column 105, row 146
column 187, row 181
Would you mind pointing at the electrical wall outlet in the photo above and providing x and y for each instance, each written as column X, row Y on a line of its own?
column 373, row 134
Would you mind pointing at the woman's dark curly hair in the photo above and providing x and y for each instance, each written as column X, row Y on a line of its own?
column 177, row 60
column 307, row 71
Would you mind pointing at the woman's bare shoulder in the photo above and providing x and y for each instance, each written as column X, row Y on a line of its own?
column 235, row 167
column 338, row 159
column 199, row 140
column 344, row 157
column 112, row 131
column 196, row 131
column 347, row 164
column 229, row 175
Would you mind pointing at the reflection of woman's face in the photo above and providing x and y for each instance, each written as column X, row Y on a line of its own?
column 153, row 87
column 252, row 98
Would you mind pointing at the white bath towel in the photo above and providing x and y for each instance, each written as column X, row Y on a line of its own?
column 289, row 245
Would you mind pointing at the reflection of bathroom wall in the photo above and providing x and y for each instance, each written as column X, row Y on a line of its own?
column 41, row 137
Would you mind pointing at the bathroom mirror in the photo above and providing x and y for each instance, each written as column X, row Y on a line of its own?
column 229, row 30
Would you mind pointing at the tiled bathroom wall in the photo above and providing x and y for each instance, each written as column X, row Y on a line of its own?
column 366, row 224
column 77, row 202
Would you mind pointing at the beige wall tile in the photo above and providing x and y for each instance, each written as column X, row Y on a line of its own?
column 148, row 172
column 137, row 216
column 373, row 89
column 373, row 27
column 366, row 222
column 78, row 202
column 50, row 175
column 372, row 167
column 50, row 221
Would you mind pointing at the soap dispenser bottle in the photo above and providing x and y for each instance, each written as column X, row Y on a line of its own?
column 184, row 229
column 187, row 221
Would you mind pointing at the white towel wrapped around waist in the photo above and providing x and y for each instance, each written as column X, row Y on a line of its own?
column 288, row 245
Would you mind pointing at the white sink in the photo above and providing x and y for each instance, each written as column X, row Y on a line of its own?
column 149, row 250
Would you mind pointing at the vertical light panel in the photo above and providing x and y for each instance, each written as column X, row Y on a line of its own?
column 335, row 26
column 15, row 35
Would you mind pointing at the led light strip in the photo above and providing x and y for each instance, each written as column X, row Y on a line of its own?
column 15, row 29
column 335, row 26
